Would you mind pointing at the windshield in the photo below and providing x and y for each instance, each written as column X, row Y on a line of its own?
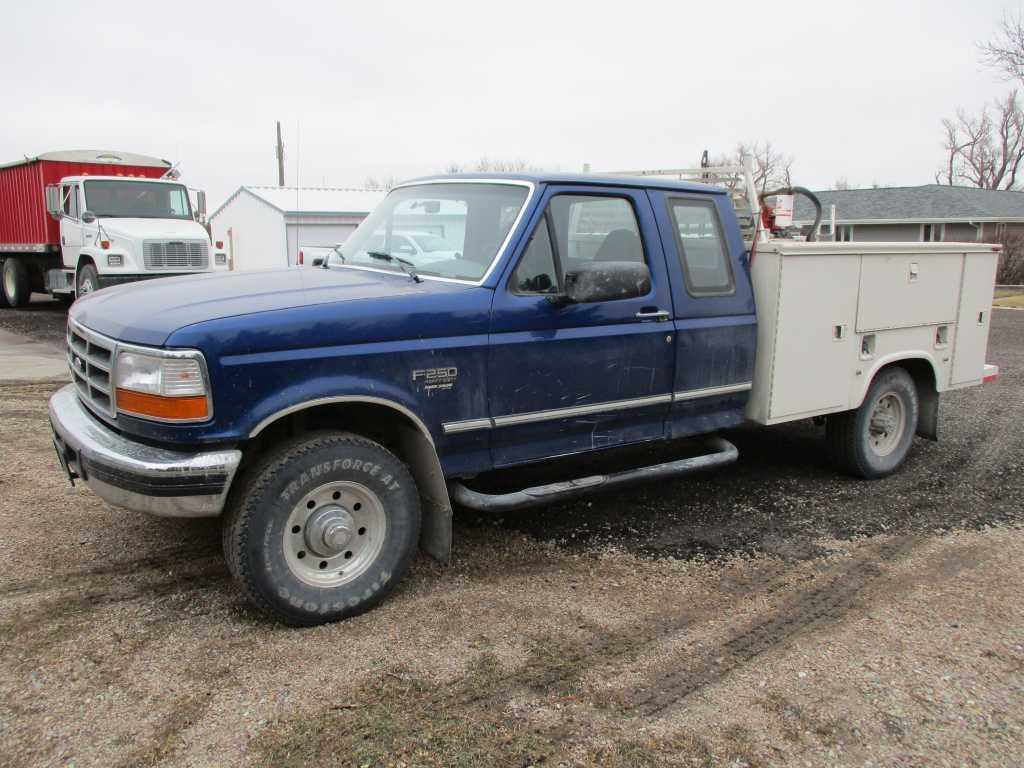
column 137, row 199
column 444, row 230
column 430, row 243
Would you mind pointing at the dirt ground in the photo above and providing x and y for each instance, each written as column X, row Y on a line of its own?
column 773, row 613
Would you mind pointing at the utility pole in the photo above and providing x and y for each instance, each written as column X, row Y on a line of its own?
column 280, row 157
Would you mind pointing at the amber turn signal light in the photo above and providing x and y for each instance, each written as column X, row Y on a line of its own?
column 160, row 407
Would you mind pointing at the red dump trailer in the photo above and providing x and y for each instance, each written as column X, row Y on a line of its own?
column 78, row 220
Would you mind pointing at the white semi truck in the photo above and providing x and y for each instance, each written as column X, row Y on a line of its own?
column 75, row 221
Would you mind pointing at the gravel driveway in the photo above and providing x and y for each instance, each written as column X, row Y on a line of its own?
column 773, row 613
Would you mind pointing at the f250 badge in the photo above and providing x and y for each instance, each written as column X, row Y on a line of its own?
column 435, row 379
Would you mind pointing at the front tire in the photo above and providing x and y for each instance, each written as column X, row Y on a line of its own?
column 322, row 528
column 872, row 441
column 87, row 281
column 16, row 287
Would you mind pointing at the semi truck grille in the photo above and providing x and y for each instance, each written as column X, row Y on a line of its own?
column 176, row 254
column 91, row 360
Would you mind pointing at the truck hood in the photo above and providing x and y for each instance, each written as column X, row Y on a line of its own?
column 152, row 229
column 148, row 312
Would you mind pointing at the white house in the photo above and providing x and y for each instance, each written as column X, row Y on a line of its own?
column 266, row 227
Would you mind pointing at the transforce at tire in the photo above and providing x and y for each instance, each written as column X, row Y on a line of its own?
column 872, row 441
column 321, row 528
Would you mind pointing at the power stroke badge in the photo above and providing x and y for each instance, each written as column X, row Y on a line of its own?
column 435, row 379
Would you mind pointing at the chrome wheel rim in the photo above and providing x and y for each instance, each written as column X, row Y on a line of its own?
column 888, row 420
column 85, row 287
column 334, row 533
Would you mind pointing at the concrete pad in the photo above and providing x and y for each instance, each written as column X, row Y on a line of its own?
column 23, row 358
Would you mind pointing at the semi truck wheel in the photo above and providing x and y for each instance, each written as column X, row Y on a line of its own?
column 322, row 528
column 87, row 281
column 16, row 287
column 873, row 441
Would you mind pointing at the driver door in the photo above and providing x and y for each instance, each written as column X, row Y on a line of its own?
column 71, row 236
column 567, row 378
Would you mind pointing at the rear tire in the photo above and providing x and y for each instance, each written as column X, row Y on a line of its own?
column 872, row 441
column 86, row 281
column 17, row 290
column 322, row 528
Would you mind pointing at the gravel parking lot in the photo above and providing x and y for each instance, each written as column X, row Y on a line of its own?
column 772, row 613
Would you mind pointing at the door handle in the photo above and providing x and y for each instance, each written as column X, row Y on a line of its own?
column 661, row 315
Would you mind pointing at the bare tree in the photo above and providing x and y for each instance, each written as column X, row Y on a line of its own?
column 842, row 183
column 1005, row 51
column 382, row 184
column 486, row 165
column 985, row 150
column 1011, row 260
column 771, row 167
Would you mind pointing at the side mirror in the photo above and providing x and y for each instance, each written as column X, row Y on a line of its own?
column 318, row 261
column 88, row 217
column 607, row 281
column 53, row 200
column 201, row 203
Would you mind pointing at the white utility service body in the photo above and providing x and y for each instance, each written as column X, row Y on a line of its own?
column 830, row 315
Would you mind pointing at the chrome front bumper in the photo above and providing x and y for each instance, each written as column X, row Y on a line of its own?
column 136, row 476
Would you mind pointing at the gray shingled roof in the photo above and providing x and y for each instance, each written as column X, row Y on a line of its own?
column 927, row 202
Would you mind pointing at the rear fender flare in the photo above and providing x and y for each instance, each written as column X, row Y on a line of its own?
column 927, row 392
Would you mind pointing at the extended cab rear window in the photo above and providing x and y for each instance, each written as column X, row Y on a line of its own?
column 701, row 246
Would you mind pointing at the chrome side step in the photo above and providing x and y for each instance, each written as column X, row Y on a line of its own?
column 722, row 452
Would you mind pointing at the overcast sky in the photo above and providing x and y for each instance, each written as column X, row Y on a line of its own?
column 851, row 89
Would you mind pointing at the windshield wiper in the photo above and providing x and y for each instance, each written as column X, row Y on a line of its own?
column 407, row 266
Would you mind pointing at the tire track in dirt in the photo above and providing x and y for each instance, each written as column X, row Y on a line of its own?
column 171, row 558
column 807, row 610
column 605, row 649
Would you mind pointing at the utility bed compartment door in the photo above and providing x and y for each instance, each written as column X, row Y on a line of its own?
column 908, row 290
column 815, row 348
column 975, row 315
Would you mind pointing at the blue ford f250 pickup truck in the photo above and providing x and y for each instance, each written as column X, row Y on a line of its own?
column 331, row 416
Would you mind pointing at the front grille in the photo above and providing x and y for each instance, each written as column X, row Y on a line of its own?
column 91, row 360
column 176, row 254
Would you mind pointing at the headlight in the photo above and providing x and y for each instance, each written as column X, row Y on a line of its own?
column 168, row 386
column 115, row 260
column 220, row 259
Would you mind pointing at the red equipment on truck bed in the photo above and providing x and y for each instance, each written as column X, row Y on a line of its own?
column 25, row 226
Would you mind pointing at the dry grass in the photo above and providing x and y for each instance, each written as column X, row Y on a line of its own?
column 1010, row 300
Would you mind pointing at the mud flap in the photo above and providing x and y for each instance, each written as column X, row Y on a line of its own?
column 927, row 412
column 435, row 506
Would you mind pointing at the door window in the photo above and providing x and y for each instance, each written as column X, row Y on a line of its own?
column 69, row 200
column 702, row 250
column 590, row 228
column 576, row 230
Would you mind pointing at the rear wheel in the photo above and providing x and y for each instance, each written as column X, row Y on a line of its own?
column 16, row 287
column 322, row 528
column 873, row 441
column 87, row 281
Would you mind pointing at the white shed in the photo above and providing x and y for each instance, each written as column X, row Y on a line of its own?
column 266, row 227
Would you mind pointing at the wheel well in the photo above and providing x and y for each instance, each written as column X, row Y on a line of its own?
column 923, row 374
column 397, row 432
column 83, row 260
